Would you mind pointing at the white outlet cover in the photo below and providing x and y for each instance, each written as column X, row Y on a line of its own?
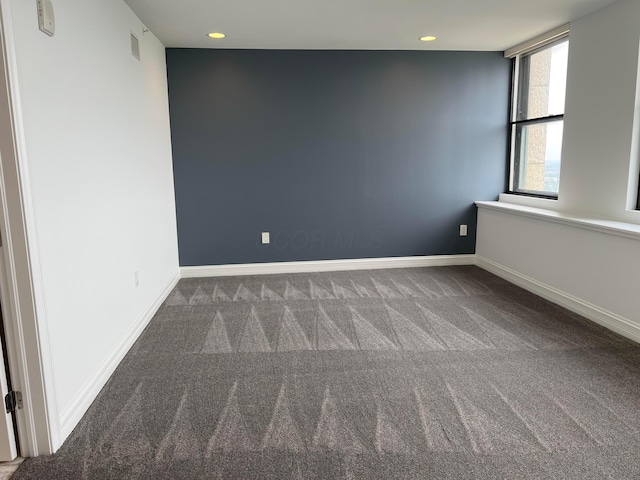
column 46, row 17
column 265, row 238
column 463, row 230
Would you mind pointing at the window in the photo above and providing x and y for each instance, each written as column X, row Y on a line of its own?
column 540, row 79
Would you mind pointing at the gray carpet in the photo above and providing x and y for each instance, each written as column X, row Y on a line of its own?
column 438, row 373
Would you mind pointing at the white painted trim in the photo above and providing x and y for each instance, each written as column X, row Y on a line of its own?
column 27, row 333
column 607, row 319
column 8, row 434
column 527, row 201
column 324, row 265
column 610, row 227
column 539, row 41
column 634, row 164
column 72, row 414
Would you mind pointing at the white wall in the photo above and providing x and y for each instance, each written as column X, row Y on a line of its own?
column 96, row 129
column 599, row 180
column 601, row 106
column 588, row 271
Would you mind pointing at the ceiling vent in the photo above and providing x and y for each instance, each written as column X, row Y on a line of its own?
column 135, row 46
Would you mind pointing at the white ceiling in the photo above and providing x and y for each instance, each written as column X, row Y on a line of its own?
column 357, row 24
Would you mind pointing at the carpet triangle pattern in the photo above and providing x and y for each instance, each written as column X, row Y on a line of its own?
column 433, row 373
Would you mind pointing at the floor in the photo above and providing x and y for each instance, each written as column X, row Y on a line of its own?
column 7, row 469
column 428, row 373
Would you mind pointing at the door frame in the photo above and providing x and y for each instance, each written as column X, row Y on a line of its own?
column 26, row 329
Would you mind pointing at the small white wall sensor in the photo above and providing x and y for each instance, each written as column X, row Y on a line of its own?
column 46, row 18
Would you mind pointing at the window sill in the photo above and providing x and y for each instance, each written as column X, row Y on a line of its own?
column 529, row 201
column 621, row 229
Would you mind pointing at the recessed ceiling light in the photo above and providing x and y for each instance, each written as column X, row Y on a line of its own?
column 217, row 35
column 428, row 38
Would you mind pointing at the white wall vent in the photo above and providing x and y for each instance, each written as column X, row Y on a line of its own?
column 135, row 46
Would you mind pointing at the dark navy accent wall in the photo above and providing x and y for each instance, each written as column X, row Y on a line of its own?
column 338, row 154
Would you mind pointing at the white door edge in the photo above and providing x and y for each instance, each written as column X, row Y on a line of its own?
column 8, row 449
column 25, row 327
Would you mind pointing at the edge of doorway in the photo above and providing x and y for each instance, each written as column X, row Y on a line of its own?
column 25, row 319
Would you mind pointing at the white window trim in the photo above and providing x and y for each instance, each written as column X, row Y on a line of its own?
column 538, row 42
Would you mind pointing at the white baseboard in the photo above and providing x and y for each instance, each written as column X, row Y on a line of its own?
column 607, row 319
column 324, row 266
column 72, row 414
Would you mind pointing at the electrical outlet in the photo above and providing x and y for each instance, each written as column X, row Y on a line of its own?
column 136, row 278
column 265, row 238
column 463, row 230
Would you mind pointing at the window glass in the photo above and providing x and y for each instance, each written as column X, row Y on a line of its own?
column 540, row 146
column 538, row 123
